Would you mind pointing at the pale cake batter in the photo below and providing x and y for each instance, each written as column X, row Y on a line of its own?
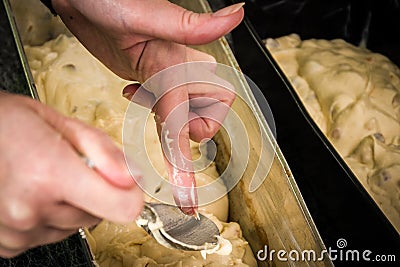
column 354, row 97
column 73, row 82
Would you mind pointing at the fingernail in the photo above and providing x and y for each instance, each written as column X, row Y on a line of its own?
column 130, row 90
column 229, row 10
column 126, row 92
column 191, row 211
column 127, row 95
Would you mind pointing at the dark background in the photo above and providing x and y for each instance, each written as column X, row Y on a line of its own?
column 374, row 23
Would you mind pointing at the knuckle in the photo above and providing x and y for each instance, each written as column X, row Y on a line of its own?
column 188, row 20
column 21, row 216
column 91, row 221
column 214, row 127
column 8, row 254
column 207, row 133
column 227, row 96
column 14, row 242
column 231, row 96
column 131, row 212
column 209, row 58
column 95, row 134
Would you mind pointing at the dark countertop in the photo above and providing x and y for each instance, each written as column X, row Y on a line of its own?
column 11, row 72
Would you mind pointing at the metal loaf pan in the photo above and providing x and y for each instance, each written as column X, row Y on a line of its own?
column 339, row 204
column 275, row 215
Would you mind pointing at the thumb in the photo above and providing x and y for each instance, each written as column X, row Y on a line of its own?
column 158, row 19
column 177, row 24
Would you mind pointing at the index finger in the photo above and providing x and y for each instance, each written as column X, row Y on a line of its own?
column 109, row 192
column 83, row 188
column 172, row 114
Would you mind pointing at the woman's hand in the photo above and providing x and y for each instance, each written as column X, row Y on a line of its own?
column 46, row 190
column 136, row 39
